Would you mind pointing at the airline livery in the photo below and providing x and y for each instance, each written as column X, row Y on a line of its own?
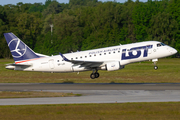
column 109, row 58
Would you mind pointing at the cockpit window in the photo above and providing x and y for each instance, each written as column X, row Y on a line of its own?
column 160, row 44
column 163, row 44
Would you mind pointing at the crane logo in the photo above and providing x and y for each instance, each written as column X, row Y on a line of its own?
column 18, row 48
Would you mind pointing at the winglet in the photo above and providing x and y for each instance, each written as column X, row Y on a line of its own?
column 63, row 57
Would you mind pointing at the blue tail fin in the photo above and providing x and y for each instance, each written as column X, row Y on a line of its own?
column 19, row 50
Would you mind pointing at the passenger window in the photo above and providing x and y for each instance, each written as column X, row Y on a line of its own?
column 85, row 56
column 76, row 57
column 104, row 53
column 114, row 52
column 71, row 58
column 89, row 55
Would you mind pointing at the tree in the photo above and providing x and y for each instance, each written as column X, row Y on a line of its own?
column 28, row 28
column 164, row 28
column 53, row 8
column 36, row 7
column 75, row 3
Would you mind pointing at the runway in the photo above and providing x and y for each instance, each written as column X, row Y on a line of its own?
column 95, row 92
column 88, row 86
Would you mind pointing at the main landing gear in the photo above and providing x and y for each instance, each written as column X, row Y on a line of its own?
column 155, row 62
column 94, row 75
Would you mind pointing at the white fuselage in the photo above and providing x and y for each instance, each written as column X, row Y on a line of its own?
column 124, row 54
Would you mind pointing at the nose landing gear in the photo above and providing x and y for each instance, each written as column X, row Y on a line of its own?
column 155, row 62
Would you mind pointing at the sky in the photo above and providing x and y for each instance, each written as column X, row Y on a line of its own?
column 5, row 2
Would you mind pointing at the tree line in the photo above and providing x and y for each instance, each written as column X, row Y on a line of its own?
column 88, row 24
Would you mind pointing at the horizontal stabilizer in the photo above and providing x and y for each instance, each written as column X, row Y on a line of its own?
column 13, row 64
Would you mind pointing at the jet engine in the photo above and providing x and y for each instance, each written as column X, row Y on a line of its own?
column 111, row 66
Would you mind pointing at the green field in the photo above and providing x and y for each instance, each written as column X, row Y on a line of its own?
column 168, row 72
column 142, row 72
column 116, row 111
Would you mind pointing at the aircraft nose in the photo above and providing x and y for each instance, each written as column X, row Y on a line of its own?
column 173, row 51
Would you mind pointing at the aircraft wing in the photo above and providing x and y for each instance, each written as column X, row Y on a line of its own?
column 83, row 63
column 87, row 63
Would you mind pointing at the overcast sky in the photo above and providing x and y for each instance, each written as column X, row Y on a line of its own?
column 4, row 2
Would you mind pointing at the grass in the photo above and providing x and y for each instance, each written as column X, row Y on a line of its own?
column 142, row 72
column 168, row 72
column 34, row 94
column 116, row 111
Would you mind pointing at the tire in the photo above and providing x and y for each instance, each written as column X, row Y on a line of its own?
column 155, row 67
column 96, row 75
column 92, row 76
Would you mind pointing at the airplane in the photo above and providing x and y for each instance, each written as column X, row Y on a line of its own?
column 108, row 58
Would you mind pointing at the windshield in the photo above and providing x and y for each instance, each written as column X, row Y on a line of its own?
column 160, row 44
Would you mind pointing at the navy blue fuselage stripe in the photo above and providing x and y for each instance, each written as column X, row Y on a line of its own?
column 138, row 50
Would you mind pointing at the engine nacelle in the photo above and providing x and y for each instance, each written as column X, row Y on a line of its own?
column 111, row 66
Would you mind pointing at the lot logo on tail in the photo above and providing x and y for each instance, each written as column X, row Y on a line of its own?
column 18, row 49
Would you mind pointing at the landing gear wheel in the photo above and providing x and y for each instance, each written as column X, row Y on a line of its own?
column 155, row 67
column 93, row 76
column 96, row 75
